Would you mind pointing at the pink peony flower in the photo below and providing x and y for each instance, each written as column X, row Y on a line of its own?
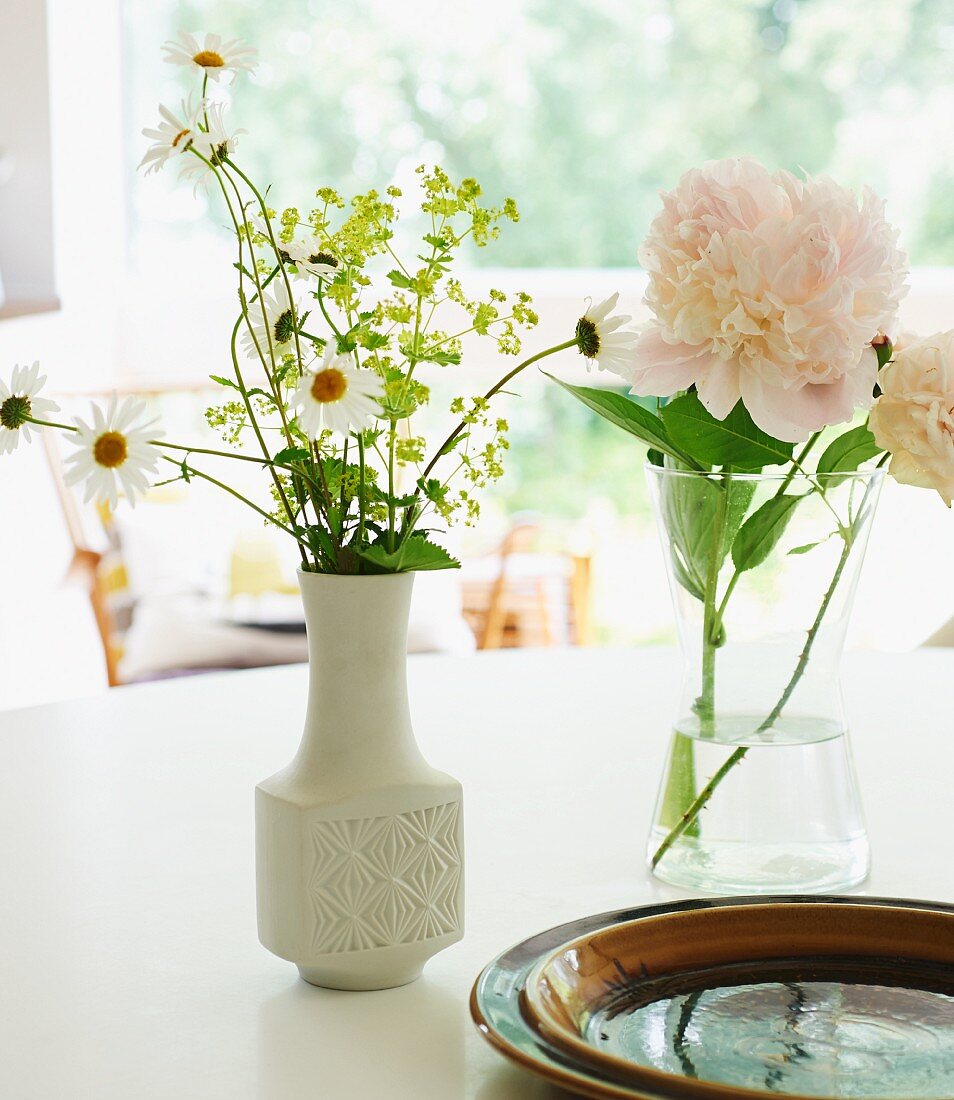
column 768, row 289
column 914, row 416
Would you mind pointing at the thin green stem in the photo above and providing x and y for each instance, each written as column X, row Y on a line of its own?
column 51, row 424
column 361, row 493
column 706, row 701
column 442, row 450
column 193, row 472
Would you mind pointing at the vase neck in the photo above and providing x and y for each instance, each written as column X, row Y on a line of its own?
column 357, row 648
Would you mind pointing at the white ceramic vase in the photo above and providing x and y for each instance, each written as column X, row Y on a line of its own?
column 359, row 841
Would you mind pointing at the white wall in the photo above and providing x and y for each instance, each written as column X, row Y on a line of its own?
column 78, row 345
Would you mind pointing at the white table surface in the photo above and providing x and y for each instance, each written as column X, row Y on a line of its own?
column 129, row 964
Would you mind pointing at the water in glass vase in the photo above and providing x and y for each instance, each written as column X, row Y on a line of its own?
column 785, row 816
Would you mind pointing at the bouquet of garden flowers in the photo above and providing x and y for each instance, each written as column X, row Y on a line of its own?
column 774, row 300
column 320, row 361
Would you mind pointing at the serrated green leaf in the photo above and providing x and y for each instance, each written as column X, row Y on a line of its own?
column 630, row 416
column 416, row 553
column 225, row 382
column 760, row 533
column 290, row 455
column 847, row 452
column 399, row 279
column 735, row 441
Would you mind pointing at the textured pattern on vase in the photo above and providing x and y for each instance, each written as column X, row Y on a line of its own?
column 383, row 881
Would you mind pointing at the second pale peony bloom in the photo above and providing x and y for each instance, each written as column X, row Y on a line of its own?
column 767, row 289
column 913, row 418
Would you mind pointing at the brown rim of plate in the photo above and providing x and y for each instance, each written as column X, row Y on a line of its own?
column 559, row 994
column 592, row 1087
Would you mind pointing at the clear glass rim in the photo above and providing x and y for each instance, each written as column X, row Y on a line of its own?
column 872, row 473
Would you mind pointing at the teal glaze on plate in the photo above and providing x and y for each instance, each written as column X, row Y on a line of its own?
column 810, row 1038
column 498, row 990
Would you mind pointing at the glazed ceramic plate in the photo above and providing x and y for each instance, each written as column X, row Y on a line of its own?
column 741, row 997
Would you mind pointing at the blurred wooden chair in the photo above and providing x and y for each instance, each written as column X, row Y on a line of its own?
column 521, row 596
column 96, row 564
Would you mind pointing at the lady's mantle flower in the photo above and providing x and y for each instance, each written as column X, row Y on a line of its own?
column 598, row 338
column 173, row 136
column 275, row 329
column 212, row 55
column 337, row 396
column 20, row 400
column 115, row 453
column 914, row 416
column 767, row 289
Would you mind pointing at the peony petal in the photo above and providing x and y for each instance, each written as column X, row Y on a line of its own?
column 661, row 369
column 792, row 415
column 720, row 390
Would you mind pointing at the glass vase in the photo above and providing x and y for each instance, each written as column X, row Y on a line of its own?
column 758, row 793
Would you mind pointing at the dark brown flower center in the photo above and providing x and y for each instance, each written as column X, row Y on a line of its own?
column 110, row 450
column 284, row 328
column 14, row 412
column 587, row 337
column 329, row 385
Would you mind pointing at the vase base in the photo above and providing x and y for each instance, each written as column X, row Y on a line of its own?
column 332, row 977
column 733, row 867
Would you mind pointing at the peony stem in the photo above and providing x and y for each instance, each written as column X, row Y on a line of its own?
column 691, row 815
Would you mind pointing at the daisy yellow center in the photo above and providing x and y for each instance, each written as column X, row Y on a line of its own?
column 181, row 134
column 209, row 59
column 329, row 385
column 110, row 450
column 587, row 337
column 14, row 412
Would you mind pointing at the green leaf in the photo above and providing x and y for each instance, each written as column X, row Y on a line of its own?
column 884, row 352
column 399, row 279
column 225, row 382
column 735, row 441
column 846, row 453
column 655, row 458
column 415, row 553
column 374, row 340
column 630, row 416
column 451, row 444
column 319, row 541
column 805, row 547
column 760, row 533
column 290, row 455
column 691, row 507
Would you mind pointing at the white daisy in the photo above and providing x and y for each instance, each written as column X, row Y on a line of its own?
column 337, row 396
column 115, row 454
column 303, row 252
column 172, row 137
column 278, row 323
column 213, row 55
column 306, row 256
column 212, row 141
column 18, row 401
column 598, row 339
